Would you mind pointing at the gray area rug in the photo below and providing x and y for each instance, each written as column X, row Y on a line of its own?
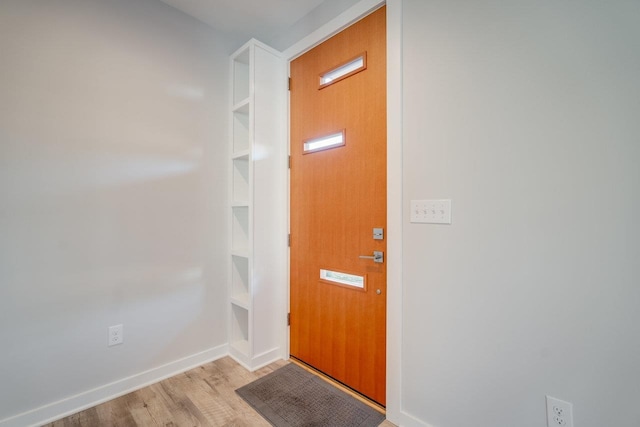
column 293, row 397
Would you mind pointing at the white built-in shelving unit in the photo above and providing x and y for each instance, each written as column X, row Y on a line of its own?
column 258, row 240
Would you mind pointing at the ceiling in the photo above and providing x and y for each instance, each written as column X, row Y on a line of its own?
column 243, row 19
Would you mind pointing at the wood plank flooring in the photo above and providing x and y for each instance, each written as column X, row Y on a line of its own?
column 204, row 396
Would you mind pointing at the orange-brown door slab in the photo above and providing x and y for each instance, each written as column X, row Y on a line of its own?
column 338, row 196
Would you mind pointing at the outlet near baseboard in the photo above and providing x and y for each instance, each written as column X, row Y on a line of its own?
column 559, row 413
column 115, row 335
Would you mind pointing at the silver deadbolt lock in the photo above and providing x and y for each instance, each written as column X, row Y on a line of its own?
column 378, row 233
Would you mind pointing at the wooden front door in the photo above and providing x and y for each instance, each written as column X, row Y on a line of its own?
column 338, row 197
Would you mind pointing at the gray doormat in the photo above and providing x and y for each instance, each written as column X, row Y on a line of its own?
column 293, row 397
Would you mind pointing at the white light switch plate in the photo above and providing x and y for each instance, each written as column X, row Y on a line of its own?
column 431, row 211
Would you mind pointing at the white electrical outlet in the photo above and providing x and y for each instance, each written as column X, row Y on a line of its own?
column 115, row 335
column 559, row 413
column 431, row 211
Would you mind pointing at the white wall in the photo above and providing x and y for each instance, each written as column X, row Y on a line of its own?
column 526, row 115
column 322, row 14
column 113, row 157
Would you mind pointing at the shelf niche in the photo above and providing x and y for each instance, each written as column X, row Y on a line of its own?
column 258, row 206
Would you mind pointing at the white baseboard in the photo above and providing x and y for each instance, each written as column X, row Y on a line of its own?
column 90, row 398
column 407, row 420
column 256, row 362
column 266, row 358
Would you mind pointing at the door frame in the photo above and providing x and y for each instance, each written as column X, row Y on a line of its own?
column 394, row 180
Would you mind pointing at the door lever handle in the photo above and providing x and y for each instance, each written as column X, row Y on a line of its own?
column 378, row 256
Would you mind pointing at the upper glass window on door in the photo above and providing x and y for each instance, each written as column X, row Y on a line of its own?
column 344, row 70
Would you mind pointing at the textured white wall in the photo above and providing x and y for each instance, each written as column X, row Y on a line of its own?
column 527, row 115
column 113, row 179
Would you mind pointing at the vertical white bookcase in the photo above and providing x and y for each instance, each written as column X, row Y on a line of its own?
column 258, row 239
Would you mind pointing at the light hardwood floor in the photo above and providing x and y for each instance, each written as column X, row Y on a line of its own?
column 204, row 396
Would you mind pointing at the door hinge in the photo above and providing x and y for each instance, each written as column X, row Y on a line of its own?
column 289, row 162
column 289, row 239
column 289, row 83
column 288, row 319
